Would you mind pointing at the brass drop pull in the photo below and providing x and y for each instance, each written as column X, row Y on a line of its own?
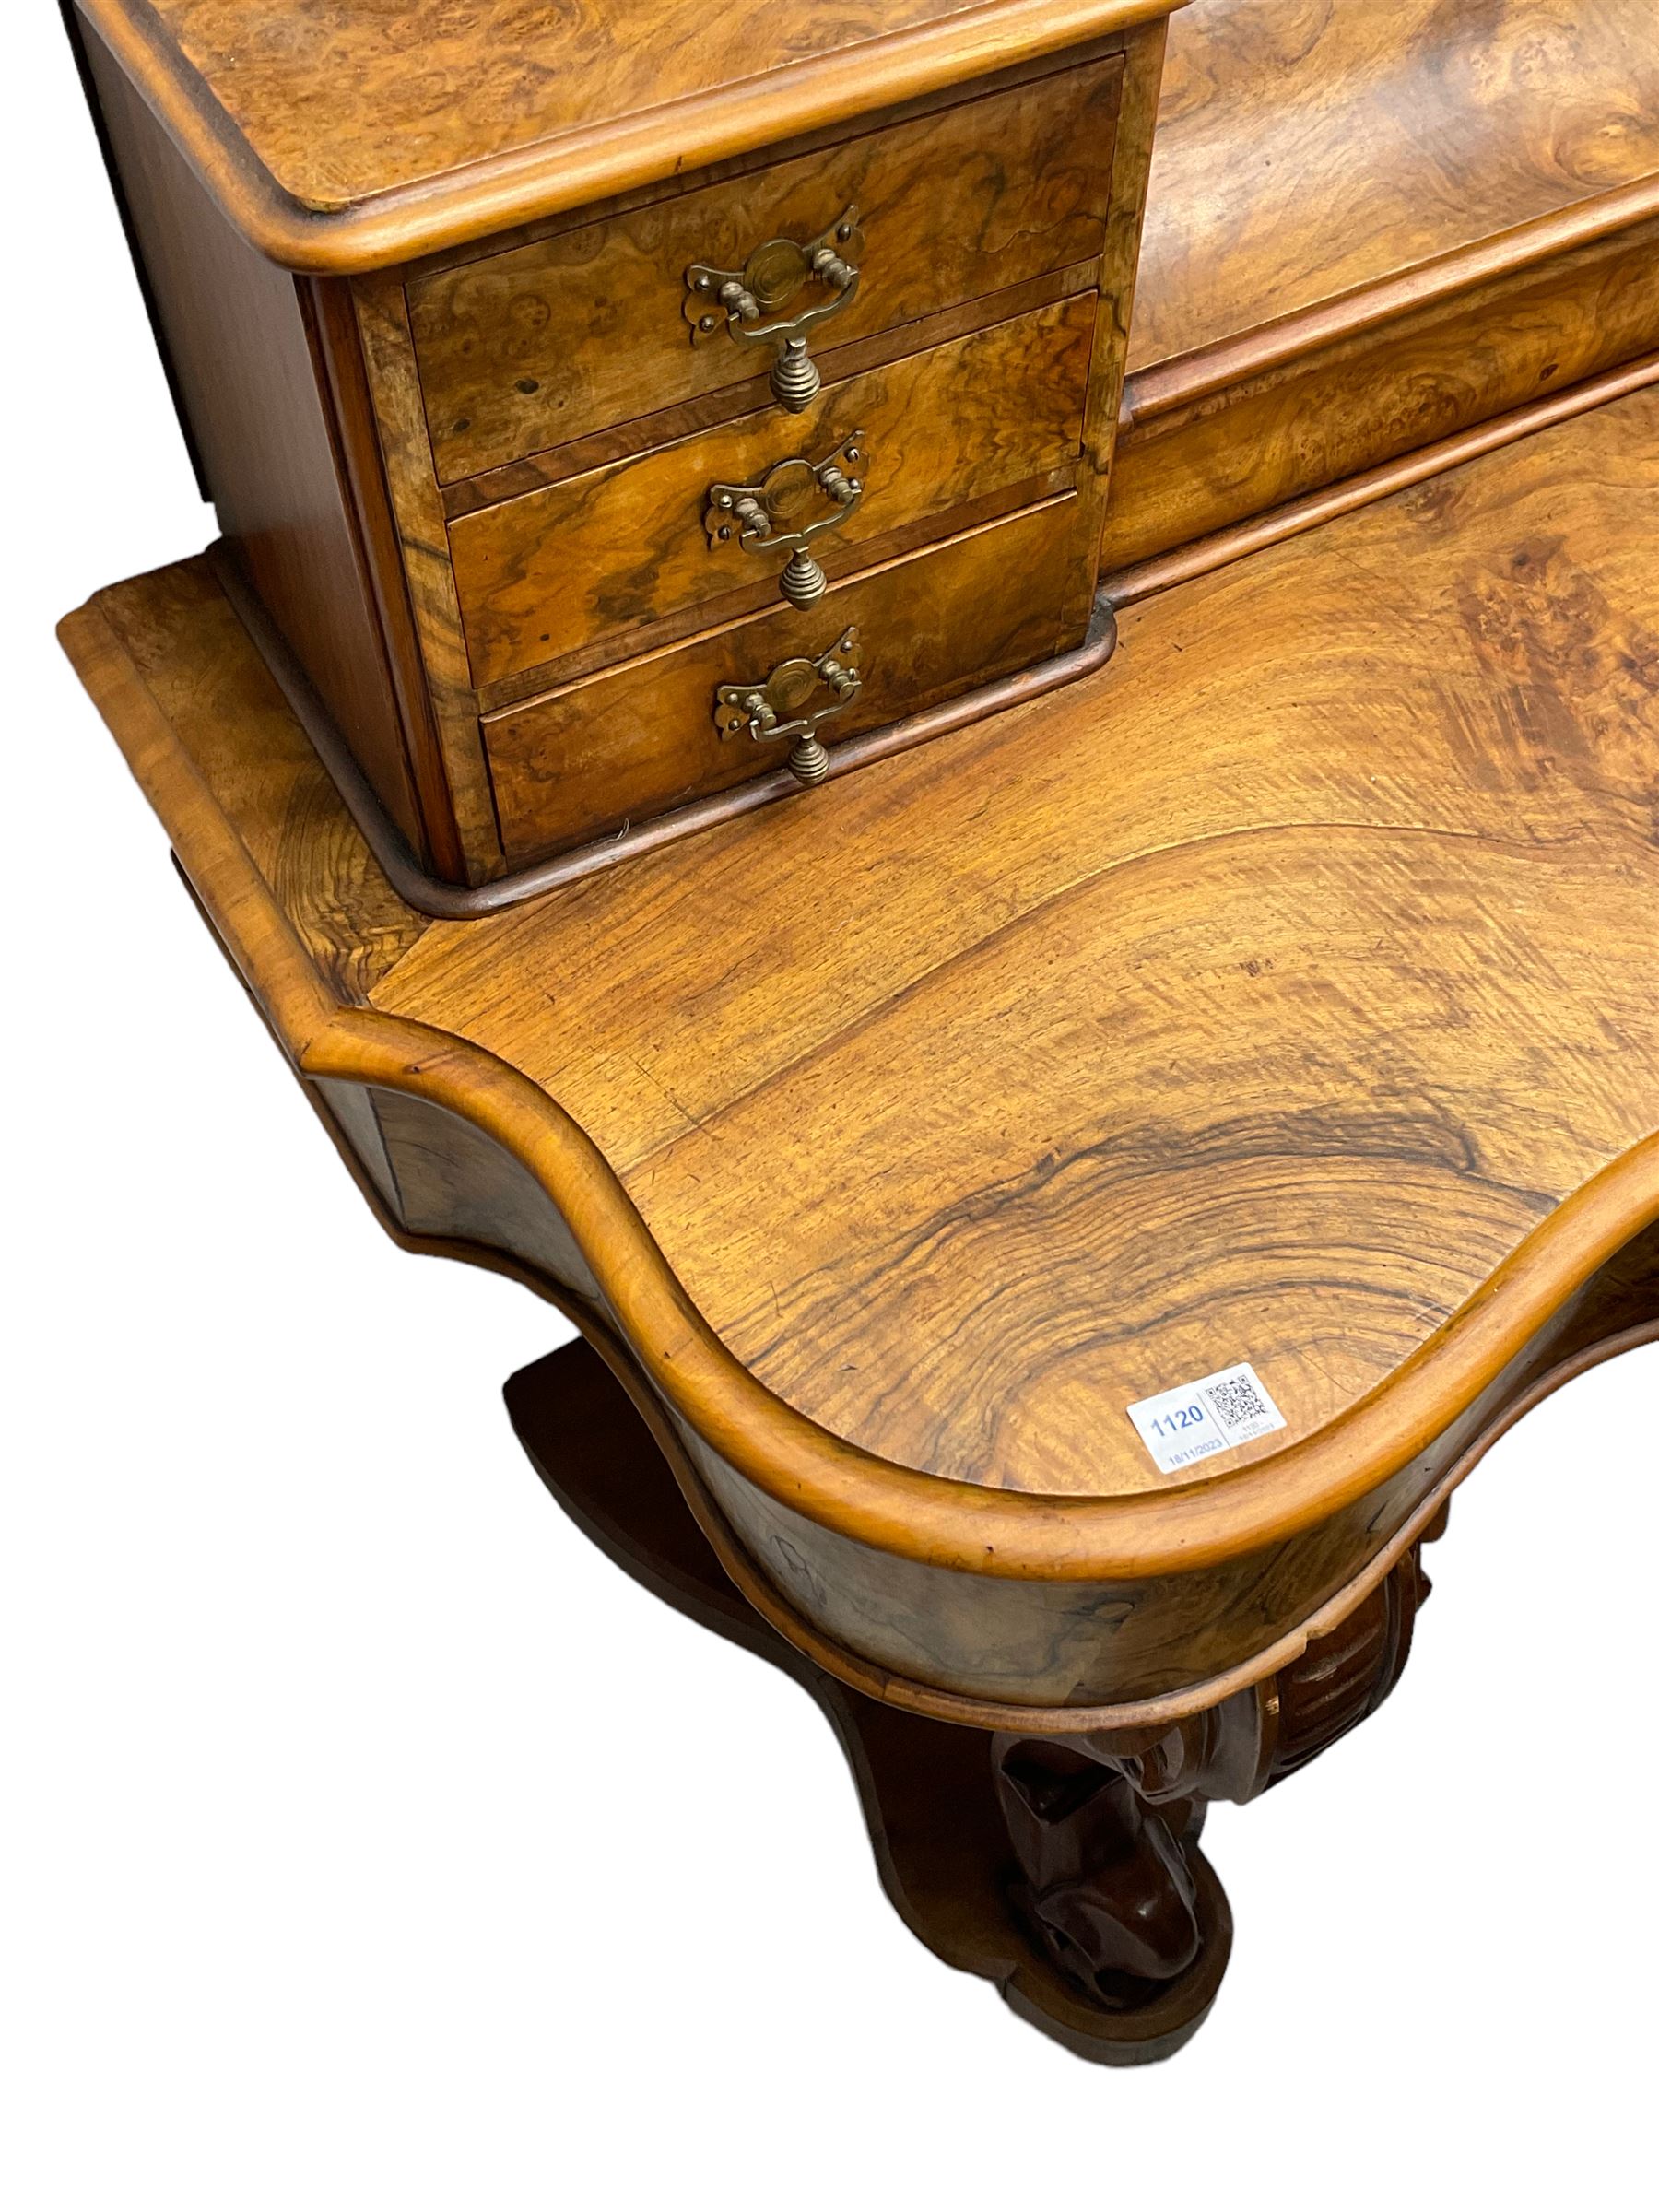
column 774, row 712
column 749, row 303
column 791, row 504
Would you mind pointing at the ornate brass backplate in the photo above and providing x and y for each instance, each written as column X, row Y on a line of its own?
column 775, row 710
column 748, row 304
column 795, row 501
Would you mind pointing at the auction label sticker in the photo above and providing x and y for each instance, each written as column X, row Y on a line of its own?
column 1178, row 1427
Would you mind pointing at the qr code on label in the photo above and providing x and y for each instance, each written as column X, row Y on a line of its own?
column 1218, row 1413
column 1235, row 1401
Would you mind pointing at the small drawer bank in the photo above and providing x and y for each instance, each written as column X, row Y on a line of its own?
column 649, row 427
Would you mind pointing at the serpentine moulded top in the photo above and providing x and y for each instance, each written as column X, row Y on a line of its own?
column 347, row 134
column 1281, row 995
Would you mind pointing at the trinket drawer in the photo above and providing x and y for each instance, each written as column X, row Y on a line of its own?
column 605, row 480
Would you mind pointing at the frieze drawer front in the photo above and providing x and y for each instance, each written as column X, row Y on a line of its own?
column 629, row 745
column 600, row 325
column 543, row 422
column 591, row 559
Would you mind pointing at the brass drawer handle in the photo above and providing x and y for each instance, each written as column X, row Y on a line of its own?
column 749, row 303
column 771, row 711
column 776, row 515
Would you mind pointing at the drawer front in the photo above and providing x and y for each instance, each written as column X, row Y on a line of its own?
column 601, row 554
column 550, row 342
column 637, row 740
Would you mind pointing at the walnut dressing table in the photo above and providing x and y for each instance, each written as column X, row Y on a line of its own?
column 1062, row 1159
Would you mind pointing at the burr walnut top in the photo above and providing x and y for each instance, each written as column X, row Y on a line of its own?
column 1305, row 151
column 353, row 133
column 1283, row 993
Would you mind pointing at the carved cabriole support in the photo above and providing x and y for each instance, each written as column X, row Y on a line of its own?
column 1242, row 1746
column 1066, row 1870
column 1105, row 1826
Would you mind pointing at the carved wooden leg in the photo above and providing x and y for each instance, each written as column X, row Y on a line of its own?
column 1261, row 1736
column 1065, row 1870
column 1109, row 1885
column 1105, row 1826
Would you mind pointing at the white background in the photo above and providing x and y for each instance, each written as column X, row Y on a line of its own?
column 367, row 1840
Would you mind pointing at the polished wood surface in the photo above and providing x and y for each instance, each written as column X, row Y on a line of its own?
column 418, row 533
column 611, row 556
column 1366, row 785
column 344, row 137
column 1324, row 946
column 628, row 440
column 1309, row 147
column 1369, row 229
column 1503, row 157
column 562, row 356
column 495, row 393
column 1202, row 456
column 642, row 738
column 548, row 342
column 242, row 340
column 1282, row 993
column 1197, row 557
